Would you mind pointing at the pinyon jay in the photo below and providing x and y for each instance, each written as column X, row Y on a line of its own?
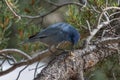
column 56, row 34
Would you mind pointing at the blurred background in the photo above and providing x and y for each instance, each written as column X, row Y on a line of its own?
column 14, row 31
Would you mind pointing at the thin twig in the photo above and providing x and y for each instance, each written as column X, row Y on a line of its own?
column 15, row 51
column 114, row 77
column 108, row 8
column 115, row 13
column 89, row 27
column 100, row 25
column 106, row 16
column 38, row 67
column 39, row 16
column 21, row 72
column 36, row 58
column 52, row 3
column 95, row 9
column 95, row 31
column 106, row 3
column 2, row 62
column 9, row 6
column 51, row 11
column 35, row 72
column 8, row 57
column 109, row 40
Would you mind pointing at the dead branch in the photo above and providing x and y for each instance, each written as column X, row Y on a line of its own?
column 53, row 10
column 41, row 16
column 7, row 51
column 29, row 61
column 11, row 9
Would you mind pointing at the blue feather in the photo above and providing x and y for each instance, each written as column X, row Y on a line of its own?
column 56, row 34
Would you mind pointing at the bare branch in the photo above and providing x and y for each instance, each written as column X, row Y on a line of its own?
column 41, row 16
column 36, row 58
column 107, row 8
column 114, row 76
column 113, row 14
column 93, row 33
column 2, row 62
column 100, row 25
column 21, row 72
column 95, row 9
column 35, row 72
column 6, row 51
column 89, row 27
column 52, row 3
column 109, row 40
column 9, row 6
column 58, row 6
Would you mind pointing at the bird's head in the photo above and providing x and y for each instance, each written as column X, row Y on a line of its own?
column 75, row 38
column 74, row 35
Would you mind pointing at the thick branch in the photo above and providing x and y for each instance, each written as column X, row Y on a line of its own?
column 66, row 67
column 36, row 58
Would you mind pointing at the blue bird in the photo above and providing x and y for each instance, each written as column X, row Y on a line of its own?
column 55, row 34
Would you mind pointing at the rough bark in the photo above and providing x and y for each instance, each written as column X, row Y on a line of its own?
column 68, row 67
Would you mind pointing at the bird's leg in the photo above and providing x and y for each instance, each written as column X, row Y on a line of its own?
column 63, row 50
column 58, row 45
column 63, row 46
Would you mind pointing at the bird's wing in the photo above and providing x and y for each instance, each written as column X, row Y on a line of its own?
column 45, row 33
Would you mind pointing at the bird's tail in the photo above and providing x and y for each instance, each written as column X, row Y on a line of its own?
column 32, row 38
column 29, row 40
column 25, row 41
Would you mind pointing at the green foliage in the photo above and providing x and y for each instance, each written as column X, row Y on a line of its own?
column 12, row 31
column 105, row 70
column 5, row 24
column 79, row 16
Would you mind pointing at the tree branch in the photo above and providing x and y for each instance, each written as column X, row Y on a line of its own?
column 53, row 10
column 41, row 16
column 11, row 9
column 64, row 67
column 29, row 61
column 109, row 40
column 7, row 51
